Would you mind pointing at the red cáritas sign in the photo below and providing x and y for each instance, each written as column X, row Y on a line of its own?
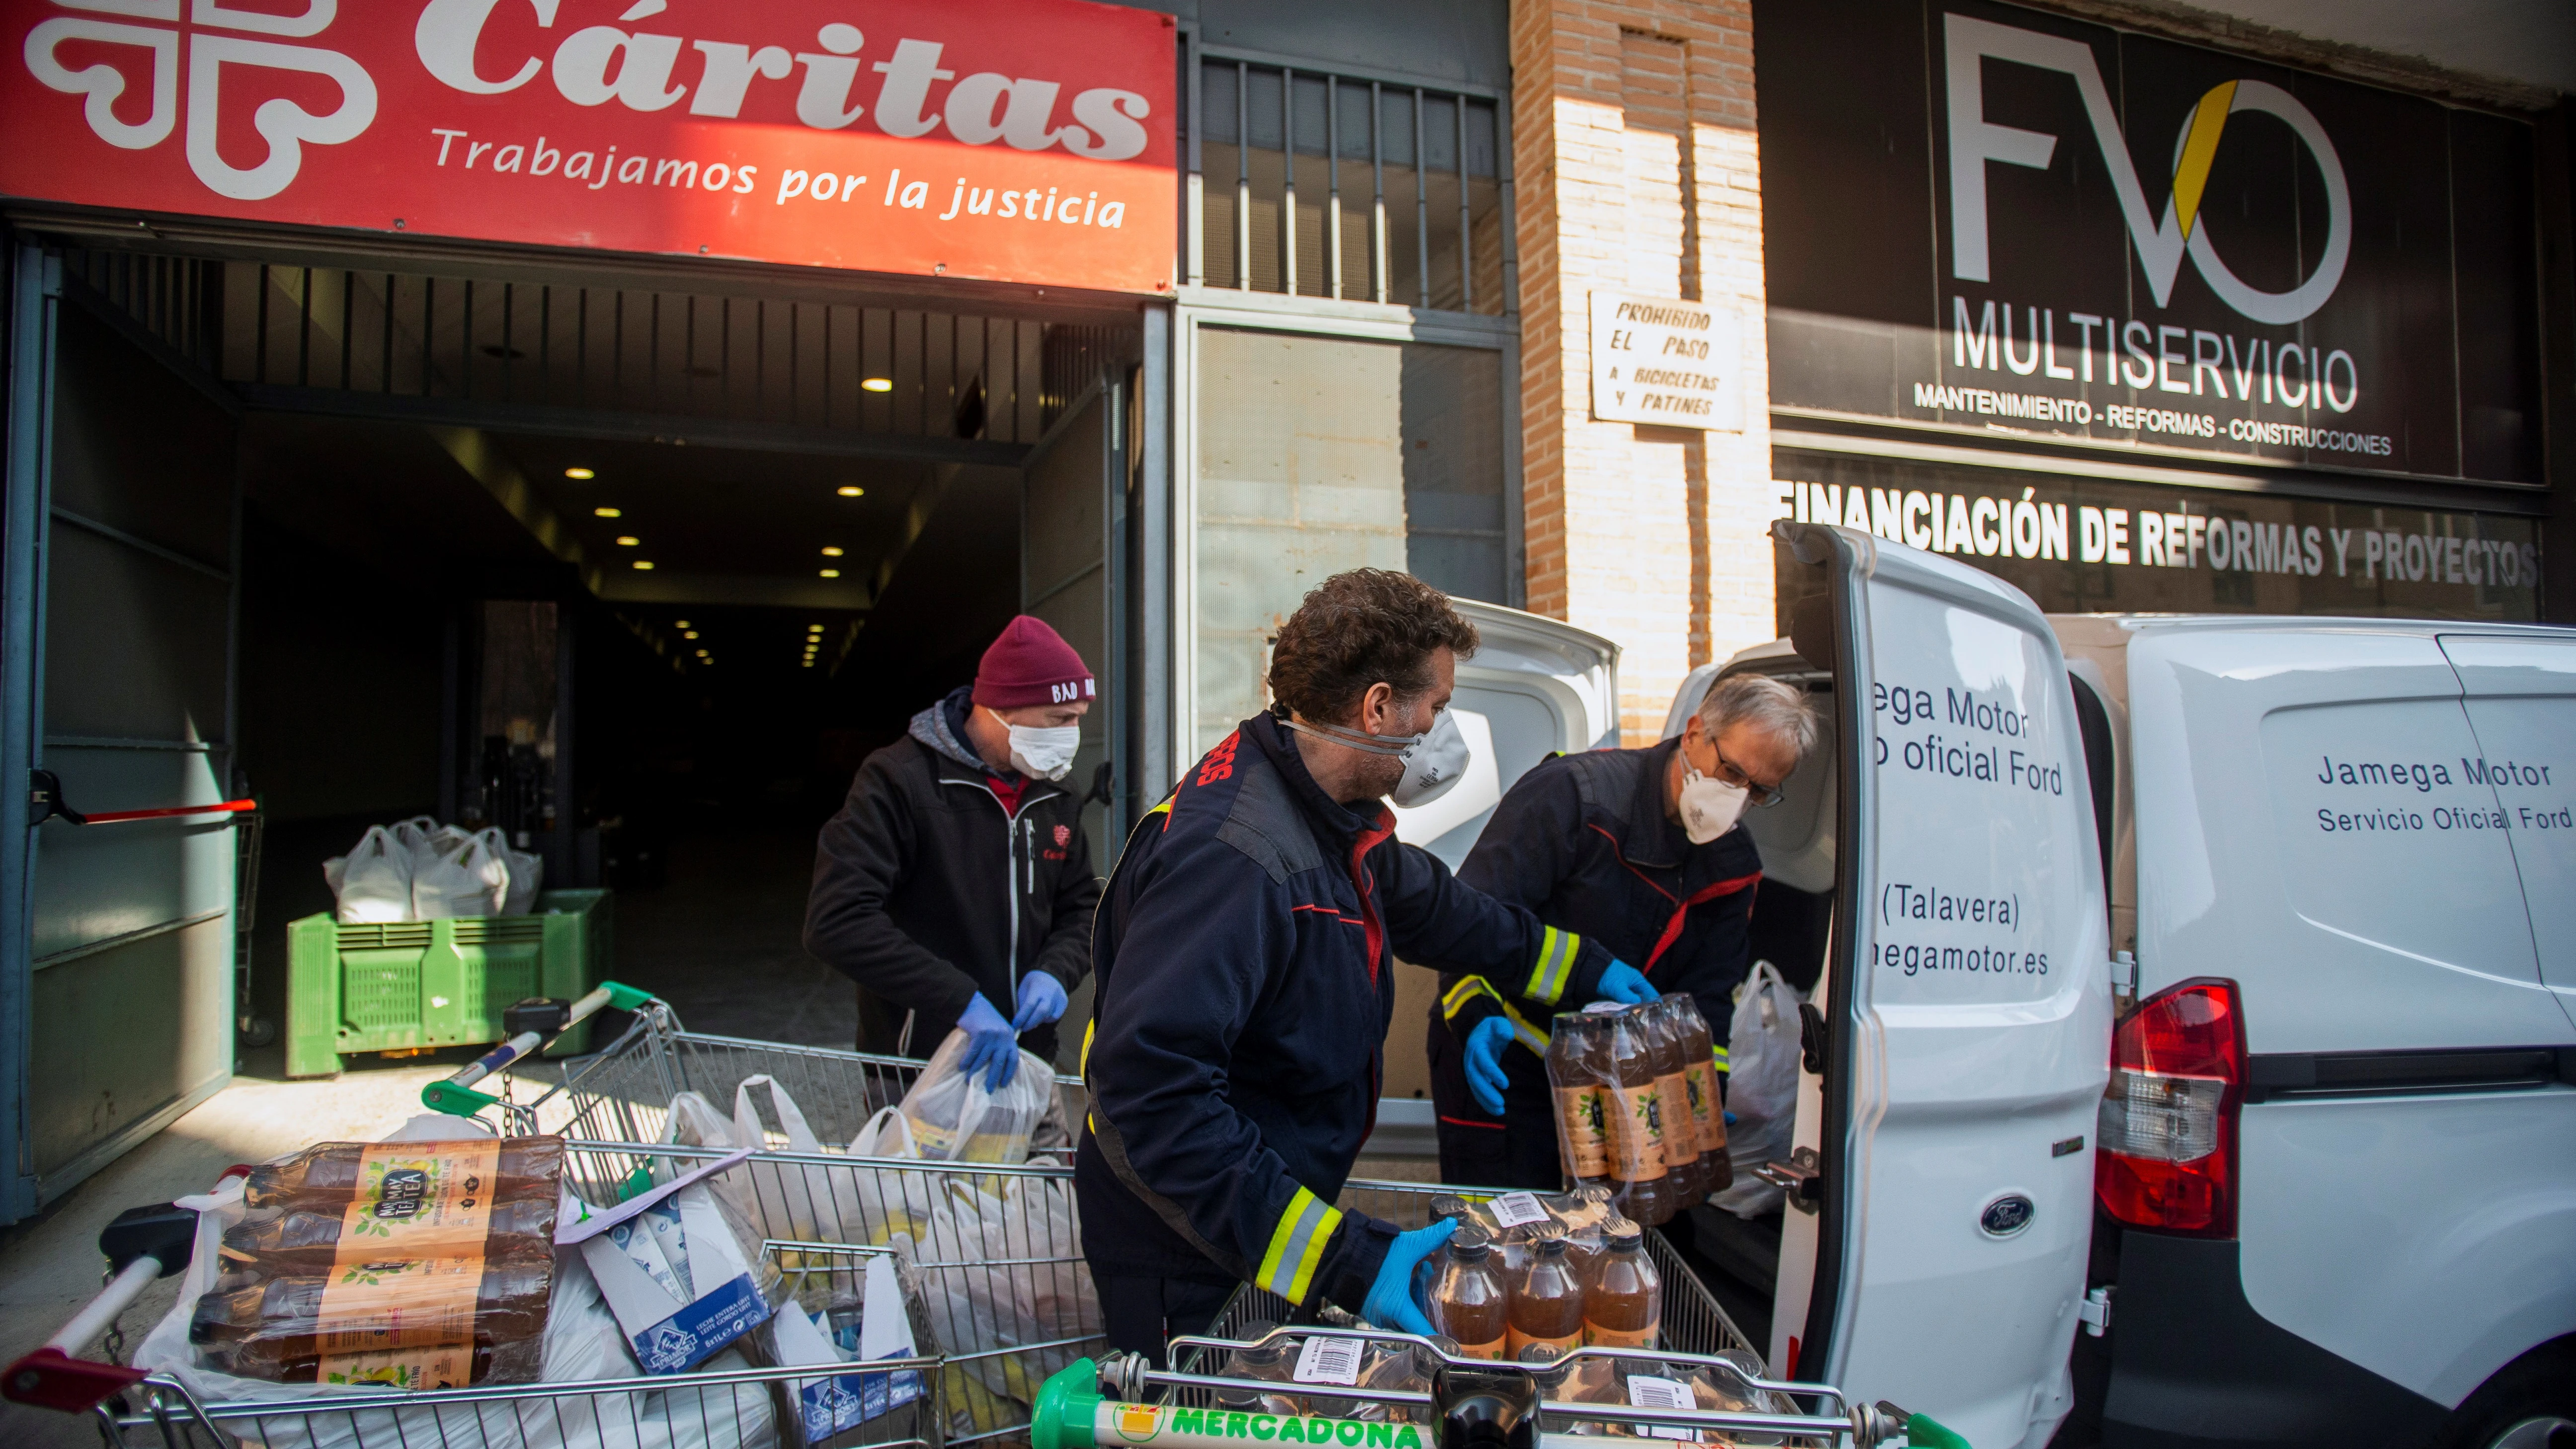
column 1015, row 140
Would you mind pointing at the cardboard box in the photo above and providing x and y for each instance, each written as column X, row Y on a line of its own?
column 672, row 1271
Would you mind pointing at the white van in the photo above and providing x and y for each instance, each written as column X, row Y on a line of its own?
column 2318, row 1186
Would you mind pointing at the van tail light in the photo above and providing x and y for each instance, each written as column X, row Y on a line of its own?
column 2166, row 1157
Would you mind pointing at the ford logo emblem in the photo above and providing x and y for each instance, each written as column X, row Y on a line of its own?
column 2006, row 1215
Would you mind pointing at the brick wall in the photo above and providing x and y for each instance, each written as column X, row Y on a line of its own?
column 1636, row 170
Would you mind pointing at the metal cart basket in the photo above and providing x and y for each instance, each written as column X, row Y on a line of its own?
column 1441, row 1398
column 623, row 1092
column 997, row 1248
column 737, row 1407
column 1693, row 1322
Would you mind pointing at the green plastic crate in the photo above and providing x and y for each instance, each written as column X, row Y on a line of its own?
column 410, row 984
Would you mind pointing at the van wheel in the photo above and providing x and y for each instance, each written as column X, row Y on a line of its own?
column 2529, row 1404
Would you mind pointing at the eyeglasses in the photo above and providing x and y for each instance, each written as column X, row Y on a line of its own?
column 1759, row 796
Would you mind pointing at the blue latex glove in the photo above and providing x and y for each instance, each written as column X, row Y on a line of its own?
column 1392, row 1302
column 1484, row 1053
column 1627, row 985
column 991, row 1046
column 1041, row 1001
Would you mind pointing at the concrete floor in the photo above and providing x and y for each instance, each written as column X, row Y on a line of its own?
column 723, row 941
column 49, row 1265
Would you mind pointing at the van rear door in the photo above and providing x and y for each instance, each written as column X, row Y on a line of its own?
column 2521, row 698
column 1968, row 995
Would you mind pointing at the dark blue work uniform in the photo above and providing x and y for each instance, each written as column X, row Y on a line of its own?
column 1245, row 953
column 1582, row 840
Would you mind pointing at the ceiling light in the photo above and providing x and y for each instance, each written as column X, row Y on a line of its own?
column 813, row 628
column 831, row 573
column 809, row 663
column 679, row 623
column 578, row 474
column 644, row 563
column 852, row 490
column 688, row 633
column 877, row 384
column 830, row 552
column 627, row 540
column 608, row 512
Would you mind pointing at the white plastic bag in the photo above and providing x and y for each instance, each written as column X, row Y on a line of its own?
column 527, row 875
column 809, row 1200
column 419, row 835
column 1762, row 1052
column 953, row 1118
column 473, row 879
column 375, row 880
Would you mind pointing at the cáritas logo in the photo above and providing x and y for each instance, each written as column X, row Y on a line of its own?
column 215, row 37
column 100, row 50
column 2161, row 242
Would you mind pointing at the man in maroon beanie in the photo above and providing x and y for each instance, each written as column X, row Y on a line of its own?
column 955, row 885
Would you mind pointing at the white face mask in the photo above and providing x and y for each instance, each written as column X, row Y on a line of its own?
column 1434, row 765
column 1709, row 806
column 1434, row 760
column 1042, row 753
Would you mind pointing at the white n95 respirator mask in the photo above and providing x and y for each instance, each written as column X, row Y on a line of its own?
column 1433, row 761
column 1434, row 764
column 1710, row 807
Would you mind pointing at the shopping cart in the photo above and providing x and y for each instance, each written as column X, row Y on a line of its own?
column 1692, row 1320
column 731, row 1408
column 997, row 1247
column 623, row 1092
column 1124, row 1400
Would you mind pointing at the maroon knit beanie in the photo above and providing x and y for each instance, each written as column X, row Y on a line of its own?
column 1031, row 664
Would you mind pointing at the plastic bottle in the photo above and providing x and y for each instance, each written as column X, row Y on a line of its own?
column 1637, row 1172
column 1396, row 1366
column 1579, row 1082
column 1547, row 1301
column 1708, row 1103
column 1272, row 1363
column 1570, row 1381
column 287, row 1241
column 1623, row 1306
column 326, row 1175
column 1468, row 1300
column 1672, row 1092
column 277, row 1328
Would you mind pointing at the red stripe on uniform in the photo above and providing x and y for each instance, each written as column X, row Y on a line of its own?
column 1673, row 928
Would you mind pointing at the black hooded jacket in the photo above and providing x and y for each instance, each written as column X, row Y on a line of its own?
column 927, row 890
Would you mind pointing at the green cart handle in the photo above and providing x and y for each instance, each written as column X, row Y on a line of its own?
column 1067, row 1405
column 1923, row 1432
column 456, row 1095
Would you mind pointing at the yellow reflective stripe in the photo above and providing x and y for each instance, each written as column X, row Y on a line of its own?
column 1556, row 952
column 1467, row 989
column 1288, row 1269
column 1718, row 1051
column 1530, row 1036
column 1090, row 1122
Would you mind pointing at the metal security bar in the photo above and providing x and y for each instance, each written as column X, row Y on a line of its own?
column 747, row 359
column 1320, row 185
